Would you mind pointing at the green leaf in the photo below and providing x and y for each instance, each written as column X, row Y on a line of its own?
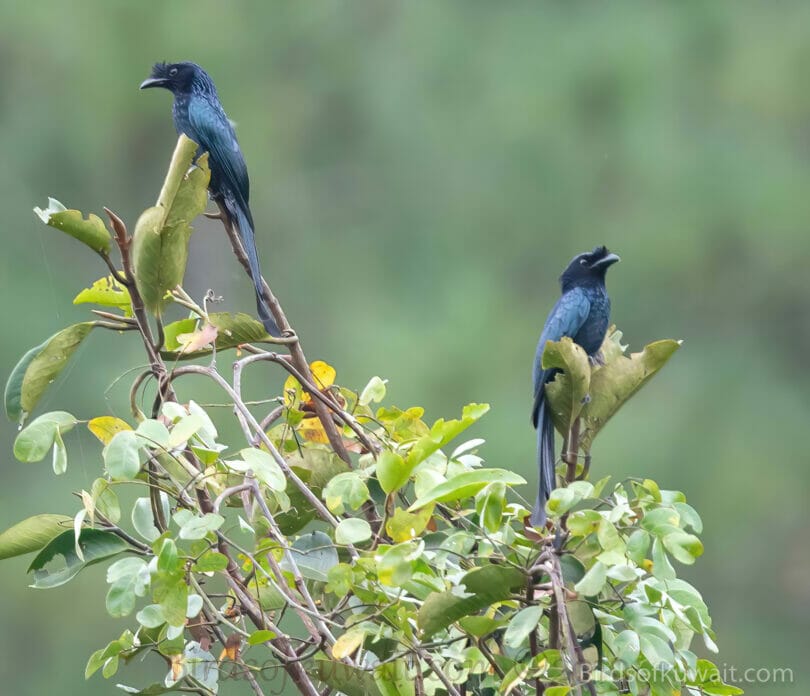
column 486, row 586
column 121, row 456
column 479, row 626
column 96, row 545
column 105, row 500
column 348, row 680
column 521, row 625
column 233, row 330
column 594, row 580
column 198, row 527
column 662, row 568
column 33, row 443
column 683, row 547
column 347, row 489
column 442, row 432
column 90, row 231
column 613, row 384
column 466, row 485
column 183, row 430
column 173, row 598
column 638, row 544
column 32, row 534
column 154, row 433
column 210, row 561
column 59, row 454
column 656, row 650
column 627, row 647
column 143, row 520
column 490, row 503
column 392, row 472
column 107, row 292
column 151, row 690
column 373, row 392
column 395, row 565
column 314, row 554
column 39, row 368
column 568, row 391
column 151, row 616
column 263, row 466
column 260, row 636
column 352, row 531
column 160, row 240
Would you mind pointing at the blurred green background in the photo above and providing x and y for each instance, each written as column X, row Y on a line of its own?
column 421, row 173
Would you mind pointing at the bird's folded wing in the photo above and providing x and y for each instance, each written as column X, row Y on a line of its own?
column 217, row 137
column 566, row 319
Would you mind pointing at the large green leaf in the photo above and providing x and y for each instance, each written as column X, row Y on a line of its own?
column 39, row 367
column 91, row 231
column 32, row 534
column 314, row 554
column 485, row 586
column 232, row 330
column 567, row 393
column 96, row 545
column 618, row 379
column 466, row 485
column 160, row 240
column 33, row 443
column 596, row 392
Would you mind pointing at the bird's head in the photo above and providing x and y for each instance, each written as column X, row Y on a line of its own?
column 178, row 78
column 588, row 268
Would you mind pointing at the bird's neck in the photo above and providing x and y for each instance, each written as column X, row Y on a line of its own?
column 596, row 286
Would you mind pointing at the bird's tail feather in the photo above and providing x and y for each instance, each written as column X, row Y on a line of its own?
column 545, row 462
column 245, row 226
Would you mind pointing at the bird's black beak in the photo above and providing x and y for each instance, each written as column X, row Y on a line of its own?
column 154, row 82
column 609, row 260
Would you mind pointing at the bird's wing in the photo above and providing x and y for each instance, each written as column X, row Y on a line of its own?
column 215, row 135
column 567, row 317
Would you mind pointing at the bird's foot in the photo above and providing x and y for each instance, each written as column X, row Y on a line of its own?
column 597, row 359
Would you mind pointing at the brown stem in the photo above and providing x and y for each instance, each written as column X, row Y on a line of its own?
column 296, row 352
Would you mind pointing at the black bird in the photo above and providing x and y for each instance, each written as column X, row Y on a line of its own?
column 198, row 114
column 582, row 313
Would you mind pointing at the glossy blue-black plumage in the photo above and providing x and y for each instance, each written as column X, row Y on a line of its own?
column 582, row 313
column 198, row 113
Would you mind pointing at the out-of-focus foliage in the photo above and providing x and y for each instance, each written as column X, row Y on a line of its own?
column 441, row 171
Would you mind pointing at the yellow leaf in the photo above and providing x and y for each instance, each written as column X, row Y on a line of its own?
column 292, row 392
column 348, row 643
column 106, row 427
column 311, row 429
column 323, row 374
column 404, row 526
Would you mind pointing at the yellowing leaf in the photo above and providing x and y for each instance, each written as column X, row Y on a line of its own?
column 348, row 643
column 107, row 292
column 106, row 427
column 311, row 429
column 404, row 526
column 292, row 392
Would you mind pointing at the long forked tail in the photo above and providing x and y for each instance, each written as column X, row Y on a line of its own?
column 545, row 460
column 245, row 226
